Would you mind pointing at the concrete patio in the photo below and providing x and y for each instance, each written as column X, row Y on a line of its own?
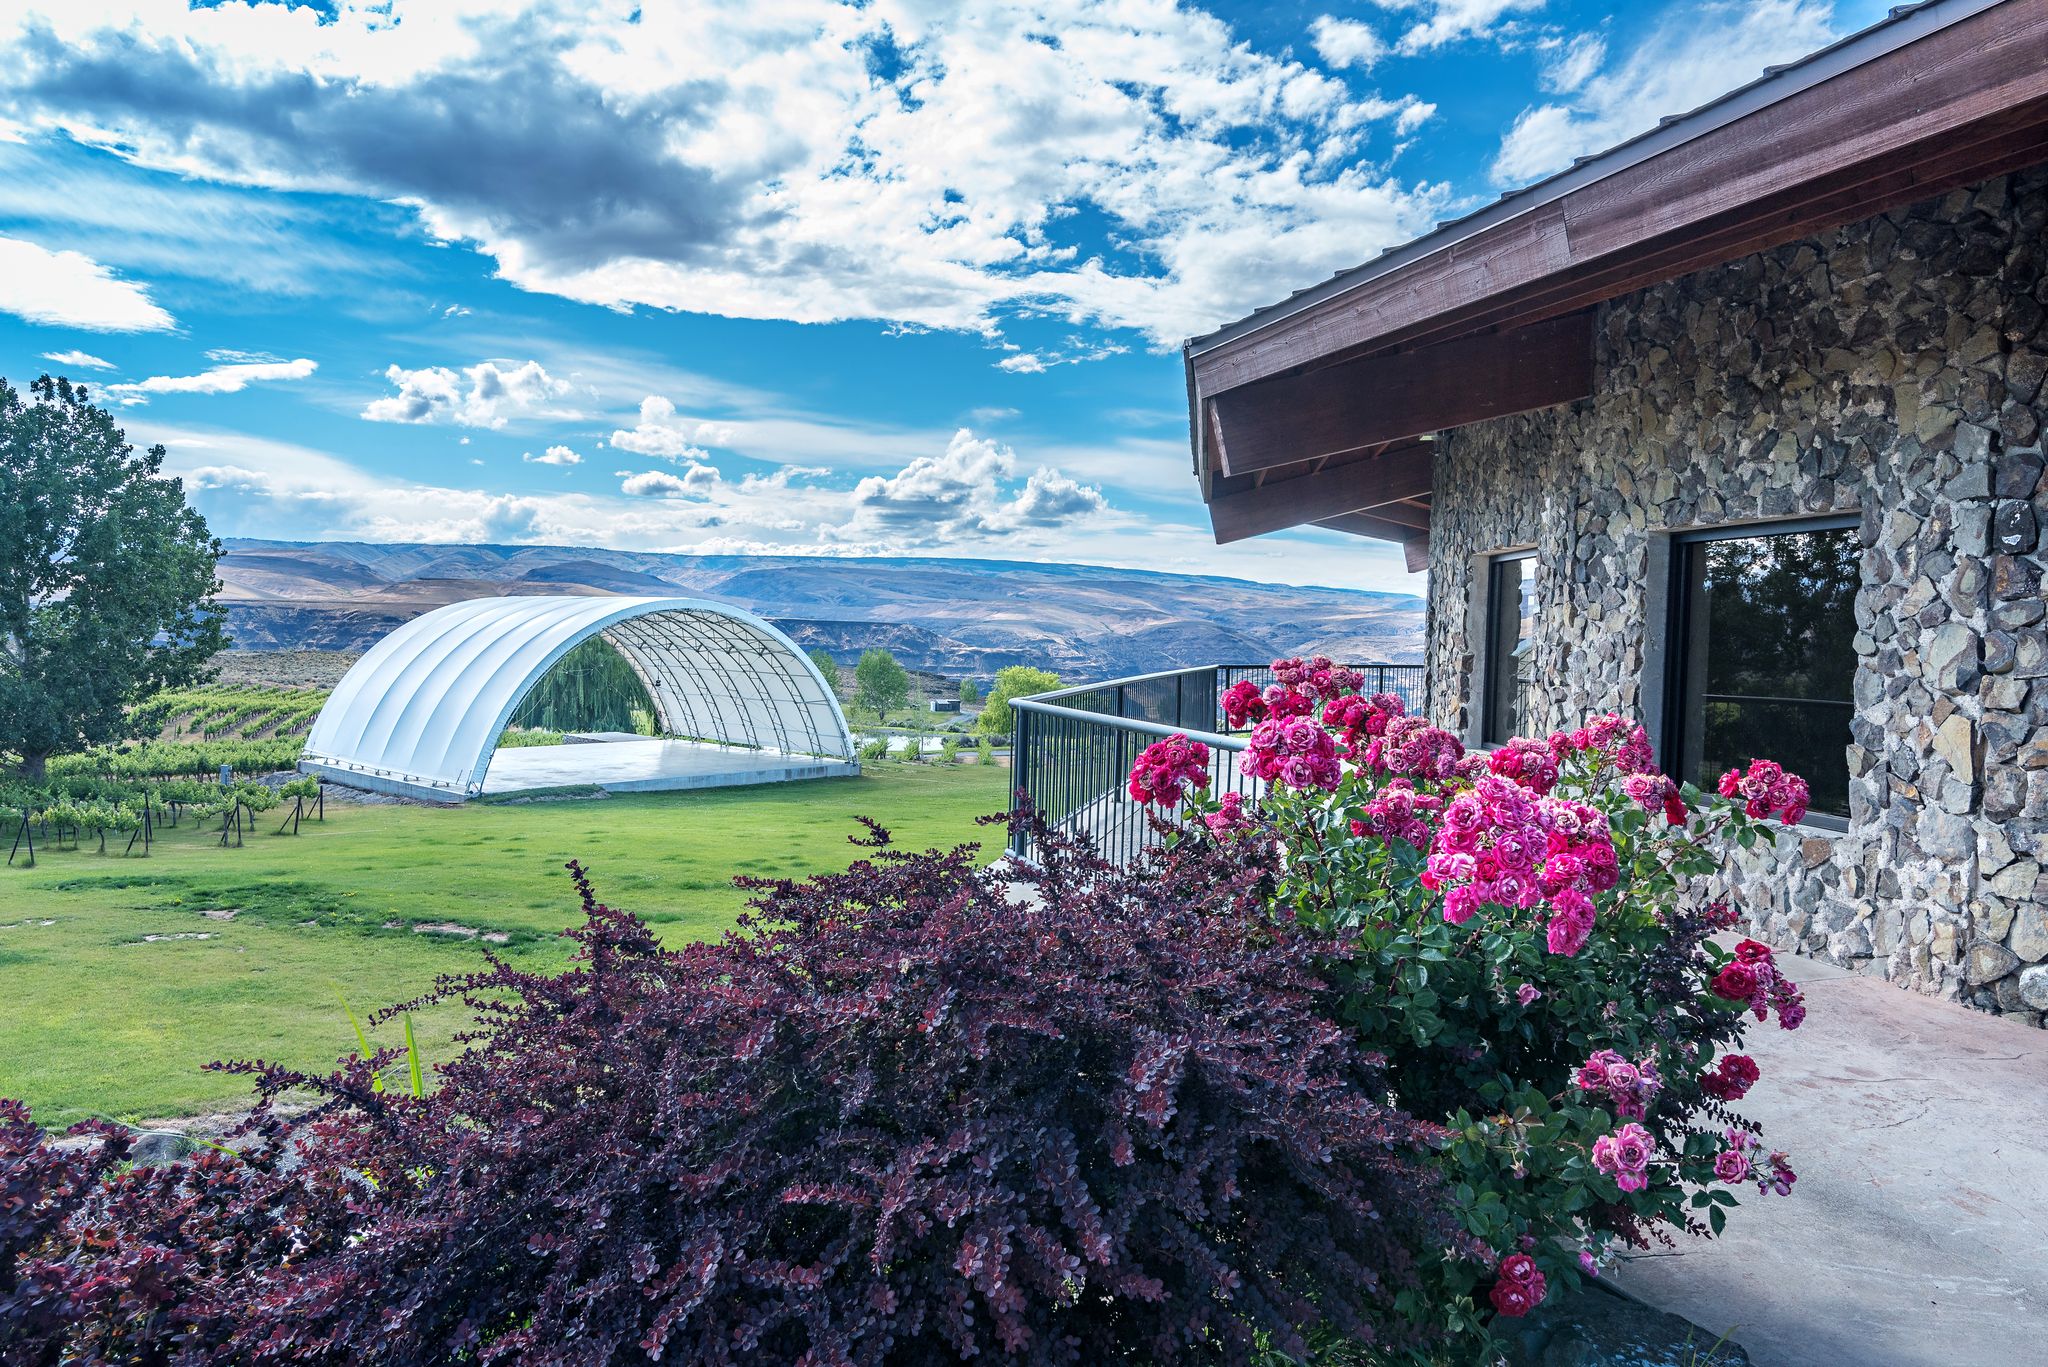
column 634, row 764
column 1918, row 1232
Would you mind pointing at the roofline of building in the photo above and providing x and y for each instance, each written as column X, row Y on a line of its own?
column 1905, row 25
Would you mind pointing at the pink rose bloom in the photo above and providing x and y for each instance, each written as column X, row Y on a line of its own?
column 1527, row 993
column 1461, row 904
column 1512, row 1299
column 1229, row 816
column 1518, row 1267
column 1732, row 1166
column 1632, row 1147
column 1625, row 1155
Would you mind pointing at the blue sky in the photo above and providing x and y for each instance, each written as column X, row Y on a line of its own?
column 898, row 278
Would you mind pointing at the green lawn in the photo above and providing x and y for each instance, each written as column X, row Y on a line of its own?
column 96, row 1019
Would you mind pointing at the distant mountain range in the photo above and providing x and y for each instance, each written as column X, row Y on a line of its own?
column 955, row 617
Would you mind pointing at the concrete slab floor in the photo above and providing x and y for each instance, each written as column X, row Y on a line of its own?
column 1918, row 1231
column 637, row 764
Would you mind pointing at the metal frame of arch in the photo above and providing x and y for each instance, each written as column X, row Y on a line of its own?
column 423, row 709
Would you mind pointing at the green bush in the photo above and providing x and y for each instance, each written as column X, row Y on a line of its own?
column 1015, row 681
column 520, row 738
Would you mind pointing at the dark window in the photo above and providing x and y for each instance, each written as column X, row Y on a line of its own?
column 1510, row 645
column 1763, row 632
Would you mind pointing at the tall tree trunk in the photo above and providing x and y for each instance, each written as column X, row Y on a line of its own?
column 32, row 767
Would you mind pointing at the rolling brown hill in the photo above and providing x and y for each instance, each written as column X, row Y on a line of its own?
column 955, row 617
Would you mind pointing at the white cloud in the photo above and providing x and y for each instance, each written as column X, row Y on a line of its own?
column 662, row 432
column 1346, row 42
column 554, row 455
column 1412, row 116
column 1448, row 21
column 961, row 493
column 77, row 360
column 1574, row 63
column 232, row 378
column 1149, row 169
column 1696, row 53
column 1074, row 352
column 70, row 289
column 695, row 482
column 487, row 394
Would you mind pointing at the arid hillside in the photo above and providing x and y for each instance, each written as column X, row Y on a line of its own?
column 955, row 617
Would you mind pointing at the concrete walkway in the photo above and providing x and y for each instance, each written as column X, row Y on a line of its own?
column 1918, row 1232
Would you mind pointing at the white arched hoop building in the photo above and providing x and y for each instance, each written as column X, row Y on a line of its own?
column 420, row 714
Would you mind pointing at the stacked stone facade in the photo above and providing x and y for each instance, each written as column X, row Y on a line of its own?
column 1893, row 368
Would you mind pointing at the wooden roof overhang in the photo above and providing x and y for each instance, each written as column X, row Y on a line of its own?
column 1322, row 409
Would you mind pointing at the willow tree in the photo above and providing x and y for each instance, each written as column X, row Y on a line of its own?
column 107, row 580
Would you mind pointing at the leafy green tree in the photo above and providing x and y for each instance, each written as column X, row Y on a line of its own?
column 969, row 693
column 827, row 666
column 107, row 584
column 1015, row 681
column 879, row 683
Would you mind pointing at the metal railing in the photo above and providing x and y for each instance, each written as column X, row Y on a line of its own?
column 1072, row 749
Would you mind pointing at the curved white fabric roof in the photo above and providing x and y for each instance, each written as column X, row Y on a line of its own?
column 425, row 706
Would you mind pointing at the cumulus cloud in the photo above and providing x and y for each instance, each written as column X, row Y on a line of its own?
column 663, row 432
column 961, row 493
column 231, row 378
column 1696, row 53
column 70, row 289
column 1346, row 42
column 487, row 394
column 926, row 166
column 77, row 360
column 554, row 455
column 692, row 483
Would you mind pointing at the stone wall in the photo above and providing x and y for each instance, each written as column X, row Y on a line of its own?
column 1893, row 368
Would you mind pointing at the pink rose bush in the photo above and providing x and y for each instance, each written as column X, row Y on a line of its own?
column 1519, row 933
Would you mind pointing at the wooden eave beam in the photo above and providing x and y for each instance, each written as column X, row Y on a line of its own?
column 1414, row 544
column 1965, row 101
column 1340, row 408
column 1390, row 478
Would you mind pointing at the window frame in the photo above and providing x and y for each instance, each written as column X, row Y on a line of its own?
column 1491, row 734
column 1678, row 631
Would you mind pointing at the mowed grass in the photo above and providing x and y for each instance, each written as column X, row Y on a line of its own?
column 97, row 1019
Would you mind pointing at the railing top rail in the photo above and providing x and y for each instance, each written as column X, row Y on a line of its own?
column 1147, row 728
column 1072, row 690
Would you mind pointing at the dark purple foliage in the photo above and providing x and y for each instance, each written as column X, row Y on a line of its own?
column 908, row 1115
